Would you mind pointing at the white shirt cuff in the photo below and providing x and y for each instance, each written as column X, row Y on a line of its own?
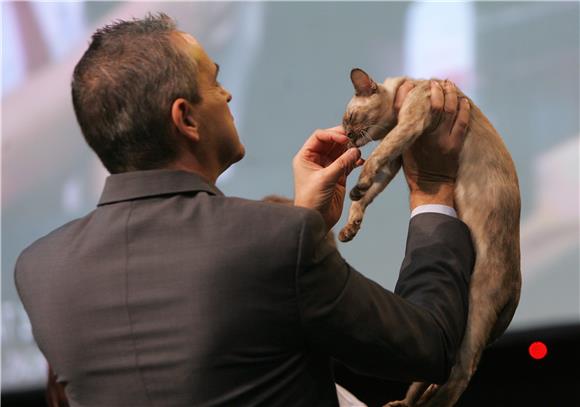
column 434, row 208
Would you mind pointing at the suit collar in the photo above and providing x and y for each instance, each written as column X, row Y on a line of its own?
column 127, row 186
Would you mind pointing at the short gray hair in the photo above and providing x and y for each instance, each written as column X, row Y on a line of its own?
column 123, row 89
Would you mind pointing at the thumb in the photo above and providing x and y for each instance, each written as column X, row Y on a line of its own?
column 344, row 164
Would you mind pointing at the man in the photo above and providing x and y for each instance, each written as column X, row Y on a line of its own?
column 171, row 294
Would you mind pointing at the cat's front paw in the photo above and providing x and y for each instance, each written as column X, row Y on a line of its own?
column 349, row 231
column 359, row 190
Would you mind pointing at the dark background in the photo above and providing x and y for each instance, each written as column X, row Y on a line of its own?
column 507, row 375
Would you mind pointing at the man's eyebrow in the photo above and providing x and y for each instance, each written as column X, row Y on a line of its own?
column 217, row 69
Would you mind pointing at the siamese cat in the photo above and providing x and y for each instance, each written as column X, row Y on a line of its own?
column 487, row 199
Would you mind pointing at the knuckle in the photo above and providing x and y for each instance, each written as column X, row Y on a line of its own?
column 461, row 126
column 465, row 106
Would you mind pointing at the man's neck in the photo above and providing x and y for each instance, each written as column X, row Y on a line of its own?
column 194, row 166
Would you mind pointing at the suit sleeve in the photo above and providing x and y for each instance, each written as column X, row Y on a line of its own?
column 412, row 334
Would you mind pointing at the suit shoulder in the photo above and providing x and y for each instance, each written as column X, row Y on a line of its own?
column 45, row 245
column 268, row 211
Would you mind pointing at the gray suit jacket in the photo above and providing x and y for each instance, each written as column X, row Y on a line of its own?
column 171, row 294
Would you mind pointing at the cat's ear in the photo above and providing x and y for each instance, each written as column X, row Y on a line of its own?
column 362, row 82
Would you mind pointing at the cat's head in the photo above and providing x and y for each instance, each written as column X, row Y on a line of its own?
column 369, row 114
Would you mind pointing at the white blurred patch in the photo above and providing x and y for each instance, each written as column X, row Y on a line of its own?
column 13, row 63
column 440, row 42
column 62, row 24
column 347, row 399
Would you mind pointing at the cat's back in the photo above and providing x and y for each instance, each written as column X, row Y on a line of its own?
column 487, row 191
column 487, row 188
column 484, row 149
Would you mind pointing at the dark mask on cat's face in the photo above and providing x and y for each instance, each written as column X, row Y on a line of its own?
column 368, row 113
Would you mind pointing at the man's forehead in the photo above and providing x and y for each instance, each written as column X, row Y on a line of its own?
column 193, row 46
column 189, row 38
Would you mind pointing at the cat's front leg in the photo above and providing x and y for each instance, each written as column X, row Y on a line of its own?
column 368, row 173
column 391, row 148
column 357, row 208
column 414, row 117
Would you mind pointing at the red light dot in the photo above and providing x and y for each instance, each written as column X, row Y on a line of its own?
column 538, row 350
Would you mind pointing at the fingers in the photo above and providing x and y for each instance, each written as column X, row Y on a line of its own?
column 322, row 140
column 459, row 129
column 330, row 135
column 437, row 98
column 402, row 93
column 344, row 164
column 337, row 147
column 338, row 129
column 450, row 106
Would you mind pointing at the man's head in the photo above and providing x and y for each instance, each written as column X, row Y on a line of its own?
column 146, row 96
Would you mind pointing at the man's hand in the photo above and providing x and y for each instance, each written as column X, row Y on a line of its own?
column 320, row 170
column 431, row 164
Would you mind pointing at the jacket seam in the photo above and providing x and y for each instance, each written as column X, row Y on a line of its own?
column 132, row 334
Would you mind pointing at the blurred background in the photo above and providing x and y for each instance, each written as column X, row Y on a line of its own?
column 287, row 66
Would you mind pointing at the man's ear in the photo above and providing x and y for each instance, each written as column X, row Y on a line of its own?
column 362, row 82
column 184, row 120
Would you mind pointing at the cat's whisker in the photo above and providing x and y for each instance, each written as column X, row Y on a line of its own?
column 366, row 135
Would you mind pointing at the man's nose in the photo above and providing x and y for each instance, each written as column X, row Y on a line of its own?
column 229, row 97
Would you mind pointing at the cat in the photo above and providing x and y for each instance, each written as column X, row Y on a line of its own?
column 487, row 199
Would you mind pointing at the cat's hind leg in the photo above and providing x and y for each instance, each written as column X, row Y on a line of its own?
column 357, row 208
column 492, row 304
